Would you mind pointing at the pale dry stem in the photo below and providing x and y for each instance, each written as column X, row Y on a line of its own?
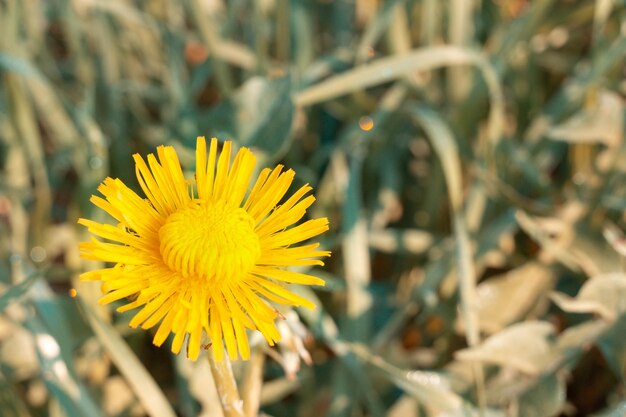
column 226, row 386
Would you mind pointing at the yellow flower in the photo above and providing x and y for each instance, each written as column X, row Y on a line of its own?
column 198, row 255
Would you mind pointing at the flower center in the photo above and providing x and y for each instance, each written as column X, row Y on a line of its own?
column 209, row 240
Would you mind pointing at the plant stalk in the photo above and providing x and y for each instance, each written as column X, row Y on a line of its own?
column 226, row 385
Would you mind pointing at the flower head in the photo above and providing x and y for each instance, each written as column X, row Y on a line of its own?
column 204, row 255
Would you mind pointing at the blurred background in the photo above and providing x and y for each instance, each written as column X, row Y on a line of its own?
column 469, row 155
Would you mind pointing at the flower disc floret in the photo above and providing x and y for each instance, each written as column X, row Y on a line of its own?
column 210, row 241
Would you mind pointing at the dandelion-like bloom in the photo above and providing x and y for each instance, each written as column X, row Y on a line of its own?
column 198, row 255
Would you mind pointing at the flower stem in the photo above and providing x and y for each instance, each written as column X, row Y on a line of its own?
column 253, row 382
column 226, row 386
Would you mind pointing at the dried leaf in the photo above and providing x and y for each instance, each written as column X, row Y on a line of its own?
column 504, row 299
column 524, row 347
column 604, row 295
column 600, row 123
